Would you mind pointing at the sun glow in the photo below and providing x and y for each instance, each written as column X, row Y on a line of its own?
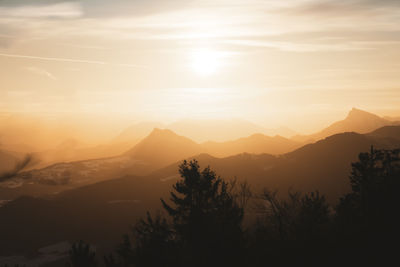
column 205, row 61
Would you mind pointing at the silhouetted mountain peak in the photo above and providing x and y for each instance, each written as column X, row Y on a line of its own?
column 163, row 146
column 357, row 120
column 166, row 135
column 161, row 132
column 361, row 115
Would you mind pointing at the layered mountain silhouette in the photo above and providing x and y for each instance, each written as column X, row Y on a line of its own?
column 159, row 149
column 357, row 120
column 163, row 147
column 72, row 149
column 101, row 212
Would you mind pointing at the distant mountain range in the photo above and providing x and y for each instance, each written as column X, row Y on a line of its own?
column 163, row 147
column 159, row 149
column 212, row 134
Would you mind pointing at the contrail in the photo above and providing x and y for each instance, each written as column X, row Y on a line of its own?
column 70, row 60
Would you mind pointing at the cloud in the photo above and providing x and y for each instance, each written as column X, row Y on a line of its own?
column 53, row 59
column 41, row 72
column 348, row 8
column 319, row 41
column 337, row 25
column 106, row 8
column 72, row 60
column 16, row 3
column 54, row 10
column 298, row 46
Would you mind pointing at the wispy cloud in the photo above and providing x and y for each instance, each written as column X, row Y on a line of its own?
column 298, row 46
column 57, row 10
column 41, row 72
column 211, row 21
column 53, row 59
column 71, row 60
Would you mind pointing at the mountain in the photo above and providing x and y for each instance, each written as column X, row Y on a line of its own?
column 134, row 133
column 100, row 213
column 357, row 120
column 163, row 147
column 255, row 144
column 391, row 118
column 282, row 131
column 392, row 132
column 160, row 148
column 216, row 130
column 324, row 165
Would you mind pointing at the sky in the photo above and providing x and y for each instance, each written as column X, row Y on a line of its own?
column 299, row 63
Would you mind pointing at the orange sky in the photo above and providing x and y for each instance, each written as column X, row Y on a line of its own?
column 301, row 63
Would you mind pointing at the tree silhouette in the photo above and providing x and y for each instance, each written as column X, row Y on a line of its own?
column 111, row 261
column 290, row 231
column 375, row 181
column 206, row 217
column 81, row 255
column 204, row 227
column 368, row 217
column 299, row 217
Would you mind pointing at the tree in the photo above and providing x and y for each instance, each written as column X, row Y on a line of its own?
column 290, row 231
column 299, row 217
column 368, row 217
column 82, row 255
column 375, row 182
column 206, row 217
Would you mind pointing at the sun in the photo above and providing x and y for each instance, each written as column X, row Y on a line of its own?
column 205, row 62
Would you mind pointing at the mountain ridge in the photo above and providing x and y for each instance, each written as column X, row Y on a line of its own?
column 357, row 120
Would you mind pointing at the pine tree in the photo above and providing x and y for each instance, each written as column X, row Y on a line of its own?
column 206, row 217
column 81, row 255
